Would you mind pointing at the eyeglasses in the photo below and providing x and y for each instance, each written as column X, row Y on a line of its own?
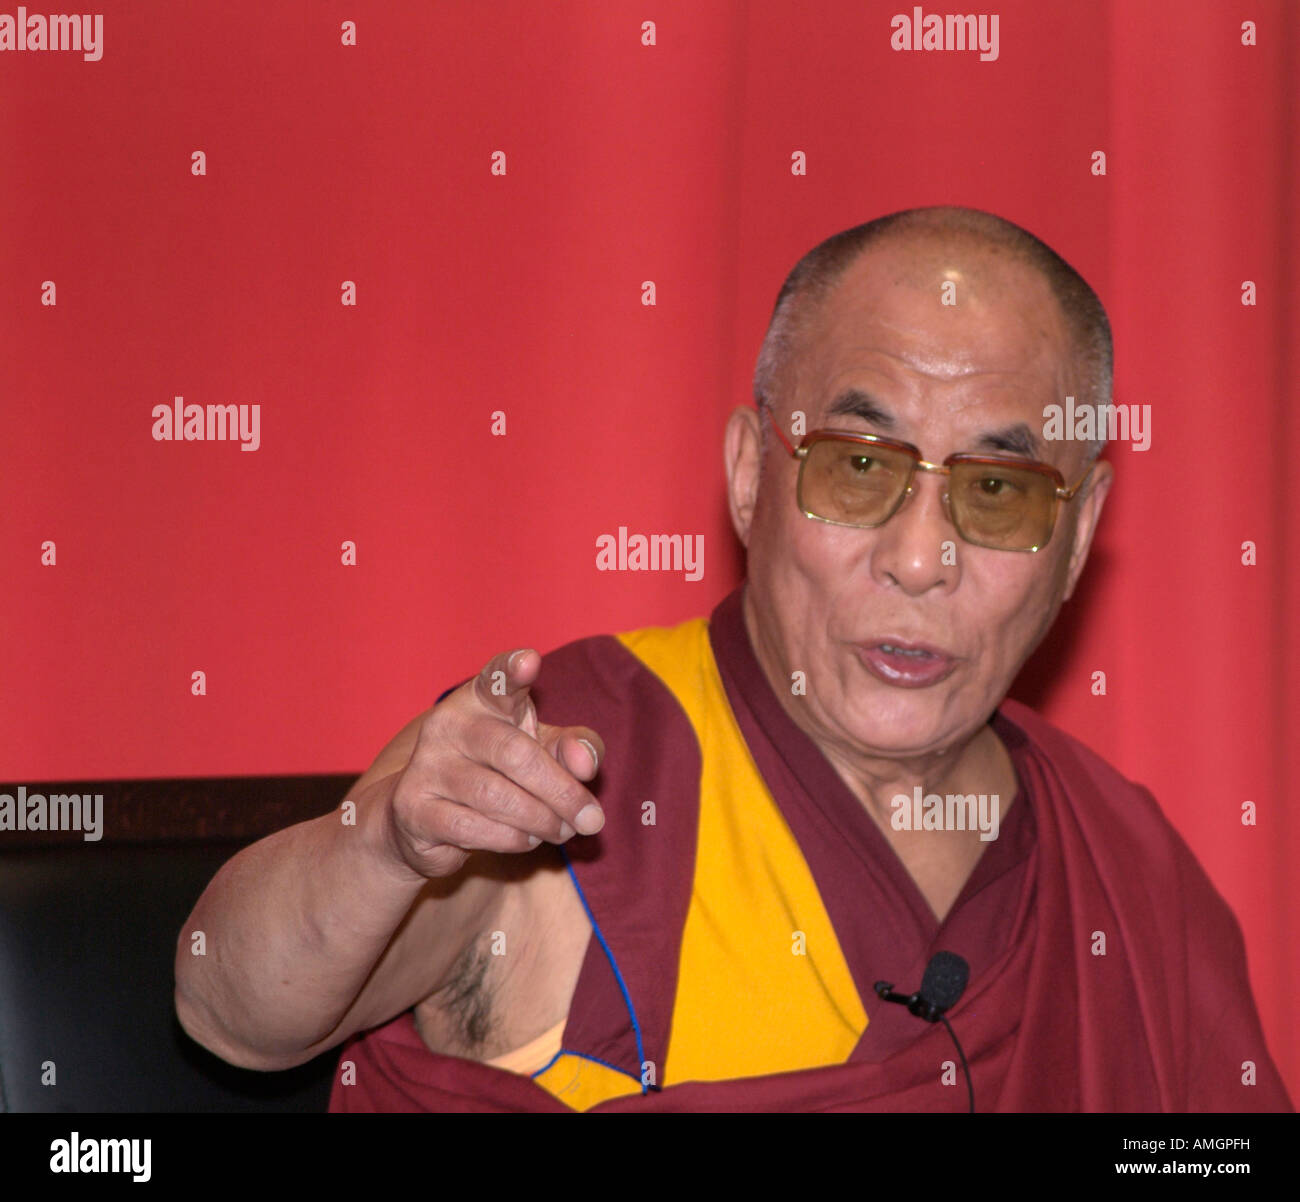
column 862, row 479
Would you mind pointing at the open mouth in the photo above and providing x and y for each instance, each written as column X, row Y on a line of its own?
column 906, row 665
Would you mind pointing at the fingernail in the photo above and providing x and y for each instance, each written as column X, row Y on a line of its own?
column 510, row 663
column 590, row 819
column 595, row 759
column 566, row 831
column 533, row 840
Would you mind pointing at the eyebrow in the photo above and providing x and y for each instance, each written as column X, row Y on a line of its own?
column 1015, row 439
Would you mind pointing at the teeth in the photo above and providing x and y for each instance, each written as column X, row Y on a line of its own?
column 889, row 647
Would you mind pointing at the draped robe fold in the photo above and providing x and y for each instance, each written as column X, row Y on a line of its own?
column 1108, row 974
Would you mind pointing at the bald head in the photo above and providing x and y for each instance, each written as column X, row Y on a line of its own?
column 934, row 233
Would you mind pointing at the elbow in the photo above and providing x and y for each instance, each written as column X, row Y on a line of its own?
column 198, row 1025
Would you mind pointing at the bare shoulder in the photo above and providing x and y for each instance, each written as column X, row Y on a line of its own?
column 515, row 976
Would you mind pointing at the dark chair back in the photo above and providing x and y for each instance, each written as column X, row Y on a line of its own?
column 88, row 933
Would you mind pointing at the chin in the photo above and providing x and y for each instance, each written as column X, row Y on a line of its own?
column 900, row 736
column 904, row 725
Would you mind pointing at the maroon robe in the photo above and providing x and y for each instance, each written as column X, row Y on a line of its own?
column 1163, row 1021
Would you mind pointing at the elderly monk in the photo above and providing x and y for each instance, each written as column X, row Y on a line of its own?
column 663, row 870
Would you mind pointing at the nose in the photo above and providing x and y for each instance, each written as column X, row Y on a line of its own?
column 916, row 550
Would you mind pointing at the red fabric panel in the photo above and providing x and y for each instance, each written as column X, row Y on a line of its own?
column 522, row 293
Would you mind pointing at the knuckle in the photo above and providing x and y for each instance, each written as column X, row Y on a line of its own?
column 493, row 796
column 572, row 797
column 443, row 860
column 482, row 735
column 461, row 827
column 414, row 822
column 421, row 781
column 514, row 750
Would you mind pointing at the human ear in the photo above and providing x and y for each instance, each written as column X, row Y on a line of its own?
column 1090, row 507
column 742, row 456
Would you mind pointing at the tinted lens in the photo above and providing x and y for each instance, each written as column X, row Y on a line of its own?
column 854, row 483
column 1003, row 507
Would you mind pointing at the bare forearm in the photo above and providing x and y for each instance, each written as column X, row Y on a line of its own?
column 278, row 950
column 327, row 928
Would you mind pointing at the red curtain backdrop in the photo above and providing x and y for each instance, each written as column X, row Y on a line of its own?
column 522, row 293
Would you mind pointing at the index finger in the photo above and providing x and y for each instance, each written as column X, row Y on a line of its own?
column 503, row 684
